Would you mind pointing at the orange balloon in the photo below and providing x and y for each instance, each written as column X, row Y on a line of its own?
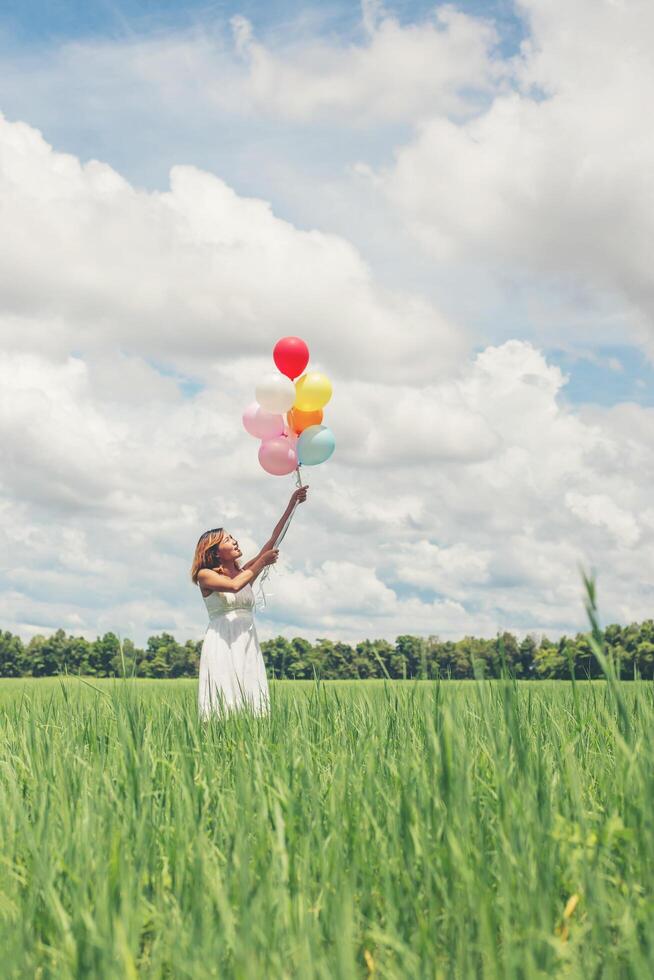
column 299, row 421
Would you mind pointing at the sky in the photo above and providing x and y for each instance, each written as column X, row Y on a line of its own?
column 451, row 204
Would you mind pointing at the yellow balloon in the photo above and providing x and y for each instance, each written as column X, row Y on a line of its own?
column 312, row 391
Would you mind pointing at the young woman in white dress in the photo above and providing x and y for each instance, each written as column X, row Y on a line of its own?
column 232, row 670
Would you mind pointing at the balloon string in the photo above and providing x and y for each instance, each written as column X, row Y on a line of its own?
column 279, row 539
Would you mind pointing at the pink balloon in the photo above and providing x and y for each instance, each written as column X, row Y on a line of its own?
column 262, row 424
column 277, row 456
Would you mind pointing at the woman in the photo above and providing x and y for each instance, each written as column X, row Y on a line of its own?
column 232, row 671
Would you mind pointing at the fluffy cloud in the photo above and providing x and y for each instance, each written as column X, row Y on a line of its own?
column 451, row 570
column 175, row 274
column 464, row 492
column 401, row 72
column 538, row 162
column 102, row 499
column 389, row 73
column 351, row 602
column 601, row 510
column 553, row 178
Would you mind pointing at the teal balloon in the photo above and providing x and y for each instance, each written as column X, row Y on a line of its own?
column 314, row 445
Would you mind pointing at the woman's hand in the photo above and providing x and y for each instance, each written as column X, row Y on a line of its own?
column 299, row 495
column 270, row 557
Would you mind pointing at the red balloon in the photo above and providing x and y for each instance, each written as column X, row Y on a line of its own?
column 291, row 355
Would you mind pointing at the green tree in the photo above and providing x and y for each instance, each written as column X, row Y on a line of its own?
column 585, row 662
column 337, row 660
column 158, row 656
column 466, row 652
column 299, row 659
column 550, row 660
column 367, row 656
column 128, row 664
column 443, row 656
column 192, row 650
column 277, row 654
column 645, row 659
column 104, row 660
column 508, row 652
column 525, row 659
column 48, row 655
column 182, row 660
column 410, row 655
column 78, row 652
column 12, row 655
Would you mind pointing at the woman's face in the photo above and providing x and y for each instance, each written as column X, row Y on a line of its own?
column 229, row 549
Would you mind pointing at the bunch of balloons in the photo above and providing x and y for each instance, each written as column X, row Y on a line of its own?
column 287, row 414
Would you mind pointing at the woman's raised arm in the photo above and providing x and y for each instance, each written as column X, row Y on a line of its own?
column 297, row 497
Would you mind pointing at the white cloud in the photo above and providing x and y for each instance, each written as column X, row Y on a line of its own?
column 102, row 499
column 453, row 570
column 409, row 425
column 393, row 73
column 399, row 73
column 351, row 602
column 175, row 274
column 553, row 179
column 599, row 509
column 463, row 492
column 526, row 177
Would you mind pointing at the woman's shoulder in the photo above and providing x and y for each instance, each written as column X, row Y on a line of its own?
column 205, row 575
column 204, row 582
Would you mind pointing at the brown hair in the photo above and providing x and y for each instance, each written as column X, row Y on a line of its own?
column 207, row 553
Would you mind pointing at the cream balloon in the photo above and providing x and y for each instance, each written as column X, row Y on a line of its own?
column 275, row 393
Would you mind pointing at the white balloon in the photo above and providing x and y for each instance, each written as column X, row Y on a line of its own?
column 275, row 393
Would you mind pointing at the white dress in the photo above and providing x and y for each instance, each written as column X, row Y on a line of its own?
column 232, row 671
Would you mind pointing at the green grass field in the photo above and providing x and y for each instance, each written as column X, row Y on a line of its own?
column 366, row 828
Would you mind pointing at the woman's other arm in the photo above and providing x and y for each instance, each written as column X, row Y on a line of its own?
column 209, row 579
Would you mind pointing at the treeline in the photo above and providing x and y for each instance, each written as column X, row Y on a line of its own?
column 631, row 647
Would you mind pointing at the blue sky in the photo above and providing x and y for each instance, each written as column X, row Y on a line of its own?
column 453, row 221
column 143, row 141
column 607, row 375
column 35, row 22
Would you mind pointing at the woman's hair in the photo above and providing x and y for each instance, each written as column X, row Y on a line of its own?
column 207, row 553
